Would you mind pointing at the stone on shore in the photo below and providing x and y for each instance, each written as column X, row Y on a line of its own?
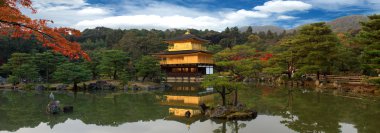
column 101, row 85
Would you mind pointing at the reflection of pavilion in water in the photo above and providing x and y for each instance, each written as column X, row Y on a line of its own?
column 184, row 99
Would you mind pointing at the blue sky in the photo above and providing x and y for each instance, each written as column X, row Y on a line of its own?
column 198, row 14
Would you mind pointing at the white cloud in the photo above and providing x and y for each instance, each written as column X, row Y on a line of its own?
column 92, row 11
column 161, row 8
column 338, row 5
column 67, row 12
column 159, row 15
column 280, row 6
column 243, row 14
column 285, row 17
column 54, row 3
column 152, row 21
column 173, row 21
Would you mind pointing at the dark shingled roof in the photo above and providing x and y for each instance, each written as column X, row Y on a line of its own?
column 181, row 52
column 186, row 37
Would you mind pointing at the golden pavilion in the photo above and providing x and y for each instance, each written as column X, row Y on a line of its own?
column 186, row 59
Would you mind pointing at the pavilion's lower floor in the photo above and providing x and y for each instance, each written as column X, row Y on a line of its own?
column 186, row 72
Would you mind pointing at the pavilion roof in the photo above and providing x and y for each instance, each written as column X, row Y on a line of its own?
column 186, row 36
column 182, row 52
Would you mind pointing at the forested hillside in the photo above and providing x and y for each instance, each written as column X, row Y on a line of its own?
column 137, row 42
column 118, row 53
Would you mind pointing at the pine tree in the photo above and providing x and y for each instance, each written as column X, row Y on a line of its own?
column 72, row 73
column 369, row 37
column 21, row 67
column 249, row 30
column 317, row 46
column 113, row 62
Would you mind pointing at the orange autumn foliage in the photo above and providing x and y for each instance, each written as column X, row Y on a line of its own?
column 17, row 25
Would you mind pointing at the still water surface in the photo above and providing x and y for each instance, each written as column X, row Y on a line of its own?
column 280, row 110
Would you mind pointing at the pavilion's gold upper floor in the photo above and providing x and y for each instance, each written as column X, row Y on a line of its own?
column 186, row 42
column 185, row 49
column 186, row 45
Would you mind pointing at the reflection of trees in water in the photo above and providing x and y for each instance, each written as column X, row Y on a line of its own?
column 308, row 114
column 308, row 111
column 28, row 109
column 302, row 111
column 233, row 125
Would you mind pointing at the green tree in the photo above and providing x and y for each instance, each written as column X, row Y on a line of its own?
column 369, row 37
column 239, row 62
column 249, row 30
column 312, row 50
column 94, row 64
column 148, row 66
column 72, row 73
column 113, row 62
column 214, row 48
column 346, row 60
column 221, row 84
column 138, row 43
column 47, row 63
column 21, row 67
column 92, row 45
column 285, row 60
column 318, row 46
column 253, row 38
column 16, row 60
column 27, row 73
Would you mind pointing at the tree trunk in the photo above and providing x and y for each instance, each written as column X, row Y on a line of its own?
column 47, row 76
column 75, row 88
column 289, row 75
column 318, row 75
column 114, row 74
column 93, row 75
column 143, row 79
column 84, row 86
column 236, row 97
column 223, row 95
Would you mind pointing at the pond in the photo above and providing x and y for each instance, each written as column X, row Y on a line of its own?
column 280, row 110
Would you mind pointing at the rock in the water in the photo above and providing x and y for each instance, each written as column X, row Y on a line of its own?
column 68, row 109
column 231, row 113
column 2, row 80
column 219, row 112
column 92, row 86
column 125, row 87
column 337, row 85
column 241, row 115
column 152, row 88
column 240, row 107
column 165, row 86
column 204, row 108
column 62, row 87
column 53, row 107
column 135, row 88
column 40, row 88
column 317, row 83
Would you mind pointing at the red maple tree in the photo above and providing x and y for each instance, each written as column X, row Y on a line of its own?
column 14, row 23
